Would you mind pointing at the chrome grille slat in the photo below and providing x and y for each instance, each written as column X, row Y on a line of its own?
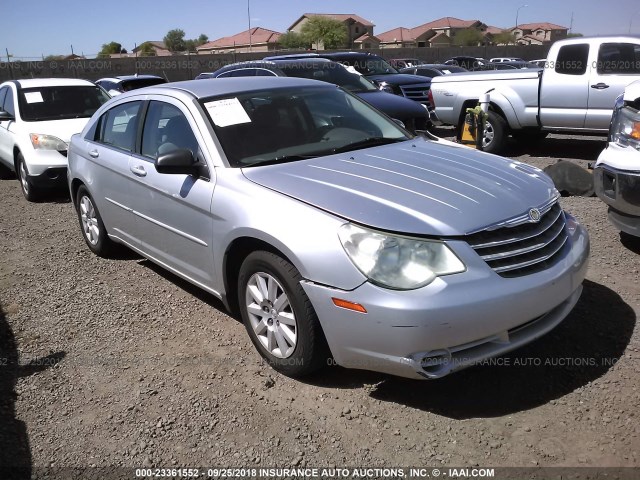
column 534, row 261
column 417, row 91
column 522, row 249
column 555, row 230
column 543, row 225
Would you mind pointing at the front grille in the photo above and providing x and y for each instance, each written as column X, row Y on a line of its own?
column 523, row 249
column 418, row 92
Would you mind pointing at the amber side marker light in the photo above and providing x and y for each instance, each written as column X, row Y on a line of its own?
column 356, row 307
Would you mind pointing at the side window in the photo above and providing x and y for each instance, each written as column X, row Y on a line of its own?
column 572, row 59
column 226, row 74
column 616, row 58
column 118, row 126
column 9, row 105
column 166, row 129
column 3, row 94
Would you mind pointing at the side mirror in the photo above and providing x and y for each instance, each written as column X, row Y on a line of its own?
column 178, row 162
column 399, row 122
column 6, row 116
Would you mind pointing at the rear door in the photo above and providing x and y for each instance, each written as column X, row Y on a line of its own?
column 564, row 89
column 109, row 149
column 617, row 64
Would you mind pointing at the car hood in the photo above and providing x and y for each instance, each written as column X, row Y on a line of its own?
column 398, row 78
column 415, row 187
column 393, row 105
column 63, row 129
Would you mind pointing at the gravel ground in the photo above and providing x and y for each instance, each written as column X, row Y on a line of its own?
column 116, row 363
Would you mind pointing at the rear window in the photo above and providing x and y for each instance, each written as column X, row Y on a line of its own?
column 615, row 58
column 140, row 83
column 60, row 102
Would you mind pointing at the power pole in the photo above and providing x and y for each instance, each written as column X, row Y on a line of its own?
column 571, row 24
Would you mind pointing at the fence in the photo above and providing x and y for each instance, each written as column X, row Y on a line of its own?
column 185, row 67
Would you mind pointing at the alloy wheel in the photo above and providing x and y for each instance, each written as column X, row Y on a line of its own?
column 271, row 315
column 89, row 220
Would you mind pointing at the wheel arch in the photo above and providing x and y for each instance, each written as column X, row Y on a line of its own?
column 237, row 251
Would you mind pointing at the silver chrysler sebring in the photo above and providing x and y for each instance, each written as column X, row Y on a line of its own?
column 330, row 229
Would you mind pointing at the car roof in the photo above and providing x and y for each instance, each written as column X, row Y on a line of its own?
column 226, row 86
column 53, row 82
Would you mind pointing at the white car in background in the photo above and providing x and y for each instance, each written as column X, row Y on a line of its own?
column 37, row 119
column 617, row 172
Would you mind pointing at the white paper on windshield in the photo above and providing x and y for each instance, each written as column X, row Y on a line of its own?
column 447, row 71
column 33, row 97
column 227, row 112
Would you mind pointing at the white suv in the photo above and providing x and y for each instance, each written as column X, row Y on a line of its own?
column 37, row 119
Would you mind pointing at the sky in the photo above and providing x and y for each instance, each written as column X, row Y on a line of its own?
column 36, row 28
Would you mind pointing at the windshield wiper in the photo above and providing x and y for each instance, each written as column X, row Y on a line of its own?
column 285, row 159
column 367, row 142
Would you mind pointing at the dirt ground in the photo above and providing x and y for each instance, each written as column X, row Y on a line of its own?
column 116, row 363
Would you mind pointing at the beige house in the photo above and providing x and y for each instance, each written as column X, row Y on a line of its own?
column 257, row 39
column 438, row 33
column 359, row 30
column 538, row 33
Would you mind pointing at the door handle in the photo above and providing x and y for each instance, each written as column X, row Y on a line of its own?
column 139, row 171
column 600, row 86
column 94, row 153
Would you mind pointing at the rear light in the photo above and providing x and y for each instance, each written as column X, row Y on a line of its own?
column 430, row 97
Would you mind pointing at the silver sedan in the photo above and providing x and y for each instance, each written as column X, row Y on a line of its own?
column 338, row 236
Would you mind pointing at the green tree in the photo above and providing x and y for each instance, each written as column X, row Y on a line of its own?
column 327, row 31
column 202, row 39
column 110, row 48
column 174, row 40
column 190, row 45
column 469, row 37
column 505, row 37
column 50, row 58
column 146, row 50
column 292, row 40
column 573, row 35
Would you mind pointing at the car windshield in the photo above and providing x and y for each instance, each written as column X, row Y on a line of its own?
column 329, row 72
column 140, row 83
column 60, row 102
column 290, row 124
column 371, row 66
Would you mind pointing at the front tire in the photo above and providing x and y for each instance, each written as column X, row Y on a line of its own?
column 93, row 229
column 29, row 190
column 278, row 315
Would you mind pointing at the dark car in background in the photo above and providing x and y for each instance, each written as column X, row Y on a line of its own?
column 405, row 62
column 413, row 115
column 512, row 65
column 124, row 83
column 433, row 70
column 377, row 70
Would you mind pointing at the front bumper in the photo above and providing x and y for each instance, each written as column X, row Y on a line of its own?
column 47, row 168
column 454, row 322
column 617, row 183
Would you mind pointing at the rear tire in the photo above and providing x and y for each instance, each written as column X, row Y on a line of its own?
column 278, row 315
column 495, row 134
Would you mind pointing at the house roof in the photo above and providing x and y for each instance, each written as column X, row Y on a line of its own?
column 156, row 43
column 336, row 16
column 366, row 37
column 444, row 22
column 538, row 26
column 494, row 30
column 258, row 35
column 440, row 35
column 399, row 34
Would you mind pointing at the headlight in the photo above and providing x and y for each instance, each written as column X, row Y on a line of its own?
column 385, row 87
column 47, row 142
column 400, row 263
column 625, row 128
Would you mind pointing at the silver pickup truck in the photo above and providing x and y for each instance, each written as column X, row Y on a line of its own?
column 574, row 92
